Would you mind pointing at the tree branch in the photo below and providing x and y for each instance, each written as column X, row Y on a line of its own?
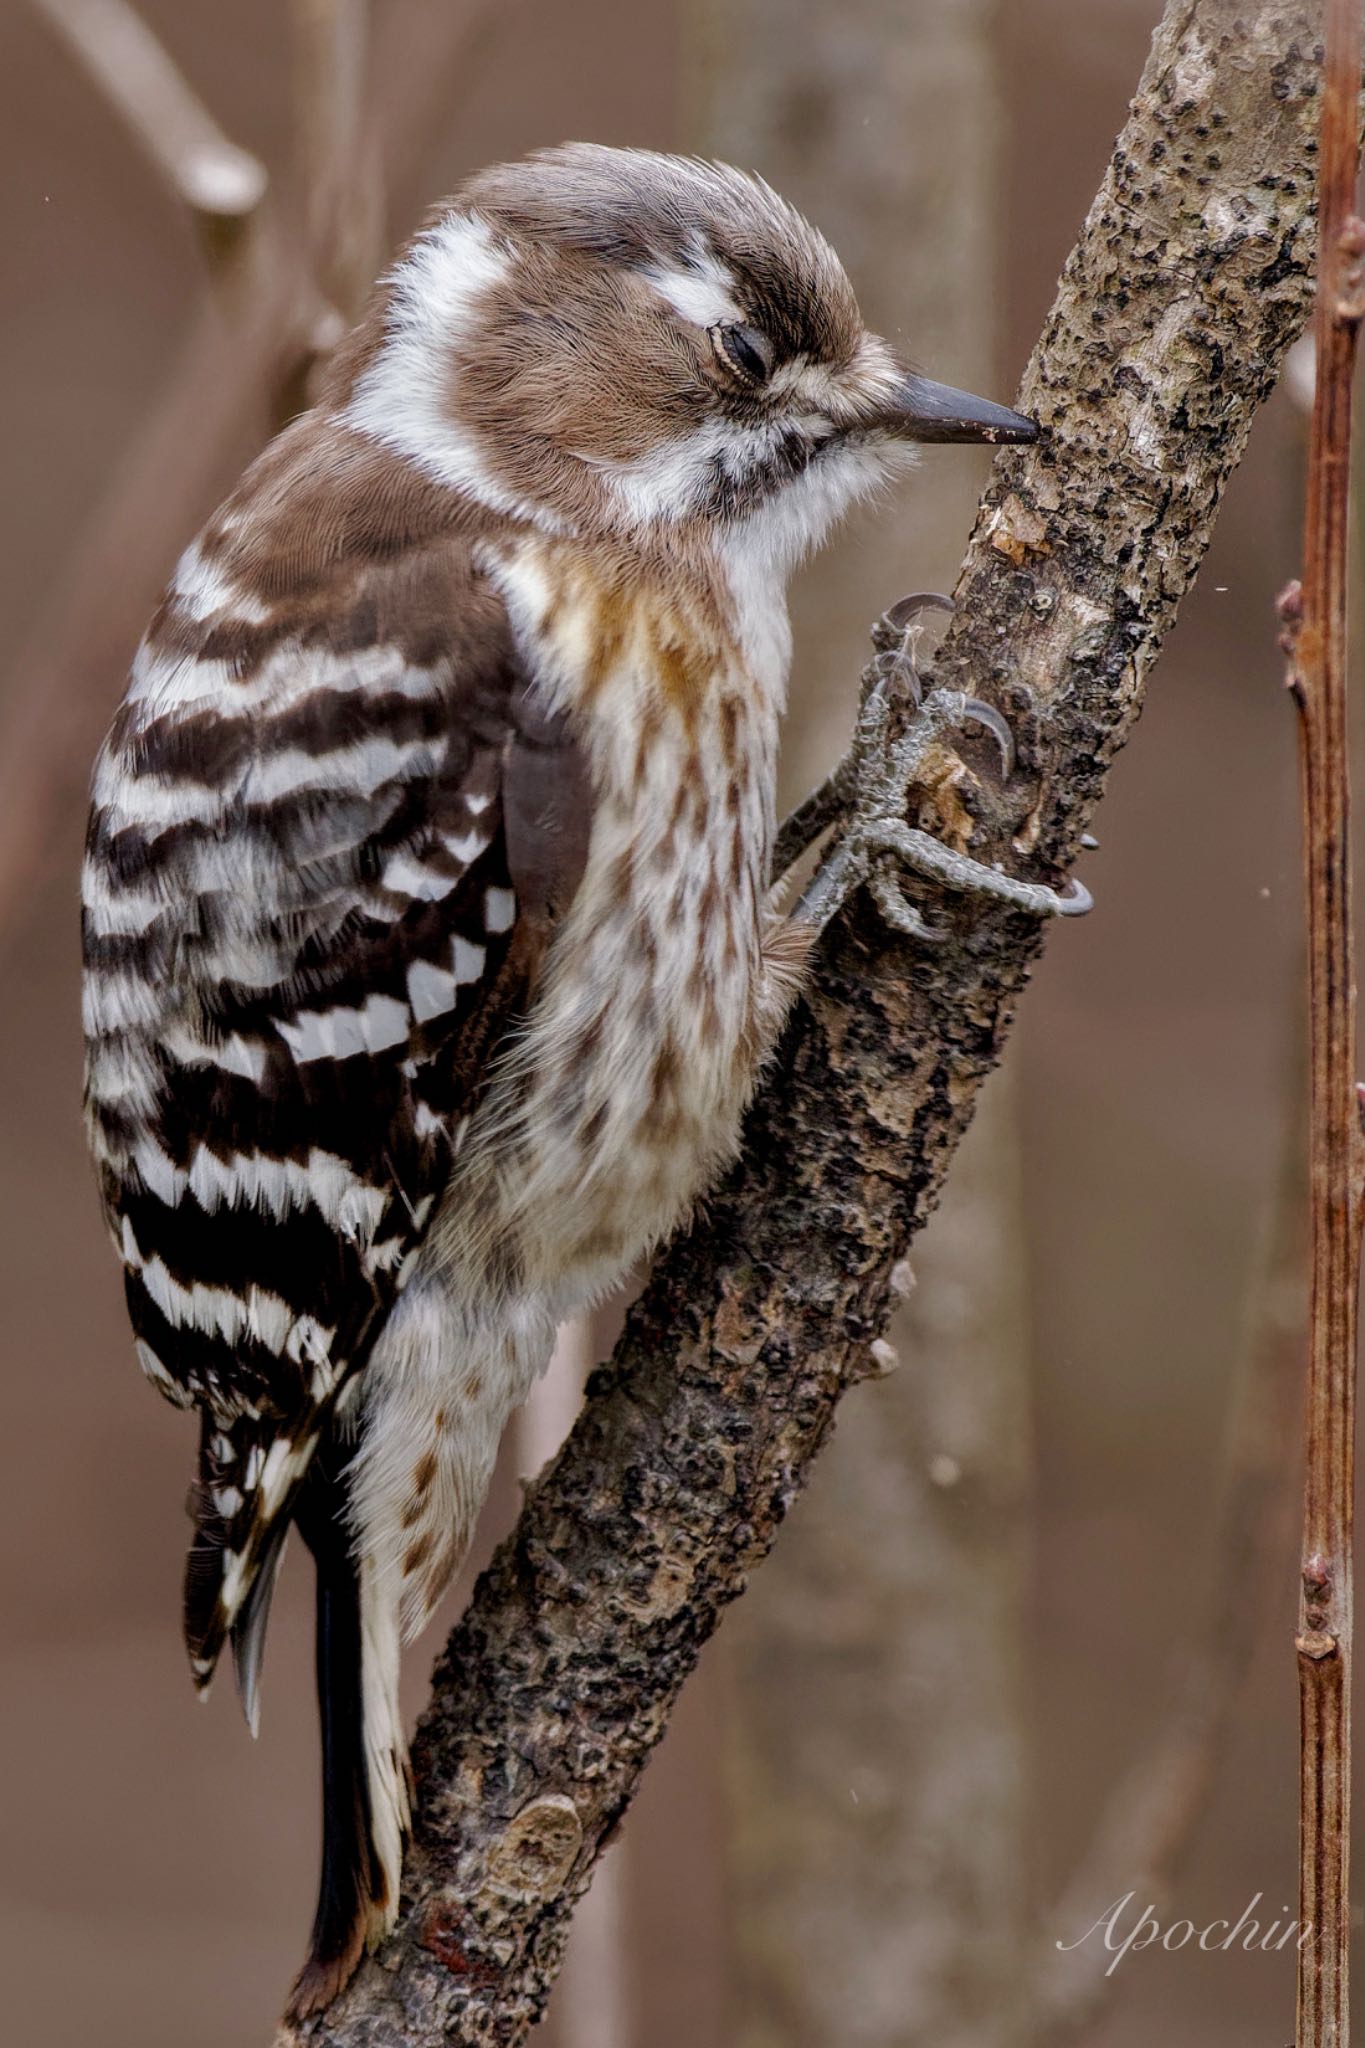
column 222, row 185
column 340, row 169
column 1188, row 283
column 1316, row 621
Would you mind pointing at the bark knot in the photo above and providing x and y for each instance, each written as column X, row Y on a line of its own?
column 537, row 1851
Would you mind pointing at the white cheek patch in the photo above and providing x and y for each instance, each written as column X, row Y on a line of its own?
column 789, row 525
column 669, row 484
column 401, row 397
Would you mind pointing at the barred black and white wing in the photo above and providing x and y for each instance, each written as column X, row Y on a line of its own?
column 305, row 935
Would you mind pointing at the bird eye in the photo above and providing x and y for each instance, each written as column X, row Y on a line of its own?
column 745, row 352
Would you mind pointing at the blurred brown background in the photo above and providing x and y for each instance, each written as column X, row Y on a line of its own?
column 158, row 1867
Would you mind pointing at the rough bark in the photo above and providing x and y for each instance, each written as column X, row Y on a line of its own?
column 882, row 1894
column 1190, row 279
column 878, row 1879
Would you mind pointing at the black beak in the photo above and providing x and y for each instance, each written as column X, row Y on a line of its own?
column 924, row 411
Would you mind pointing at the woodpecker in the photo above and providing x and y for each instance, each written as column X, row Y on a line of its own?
column 430, row 952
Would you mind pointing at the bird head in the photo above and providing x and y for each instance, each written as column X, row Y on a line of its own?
column 612, row 339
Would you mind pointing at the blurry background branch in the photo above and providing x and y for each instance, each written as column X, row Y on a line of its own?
column 1188, row 284
column 1148, row 1818
column 339, row 165
column 222, row 185
column 285, row 280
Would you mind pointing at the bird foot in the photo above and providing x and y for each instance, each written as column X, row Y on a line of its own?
column 878, row 777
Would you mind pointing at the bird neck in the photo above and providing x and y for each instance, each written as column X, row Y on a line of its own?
column 675, row 676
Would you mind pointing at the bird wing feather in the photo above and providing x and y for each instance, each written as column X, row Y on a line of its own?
column 320, row 879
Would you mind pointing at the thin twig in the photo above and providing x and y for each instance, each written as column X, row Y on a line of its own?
column 223, row 185
column 338, row 163
column 1315, row 621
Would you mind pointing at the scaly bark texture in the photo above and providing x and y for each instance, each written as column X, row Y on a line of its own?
column 879, row 1852
column 1190, row 279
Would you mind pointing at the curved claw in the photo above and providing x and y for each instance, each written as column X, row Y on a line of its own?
column 898, row 616
column 1075, row 900
column 998, row 726
column 892, row 637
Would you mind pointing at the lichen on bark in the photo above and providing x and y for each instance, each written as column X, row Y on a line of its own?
column 1189, row 281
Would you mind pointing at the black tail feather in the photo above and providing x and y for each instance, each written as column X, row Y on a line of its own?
column 352, row 1885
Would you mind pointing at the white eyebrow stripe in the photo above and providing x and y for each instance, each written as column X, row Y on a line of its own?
column 703, row 294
